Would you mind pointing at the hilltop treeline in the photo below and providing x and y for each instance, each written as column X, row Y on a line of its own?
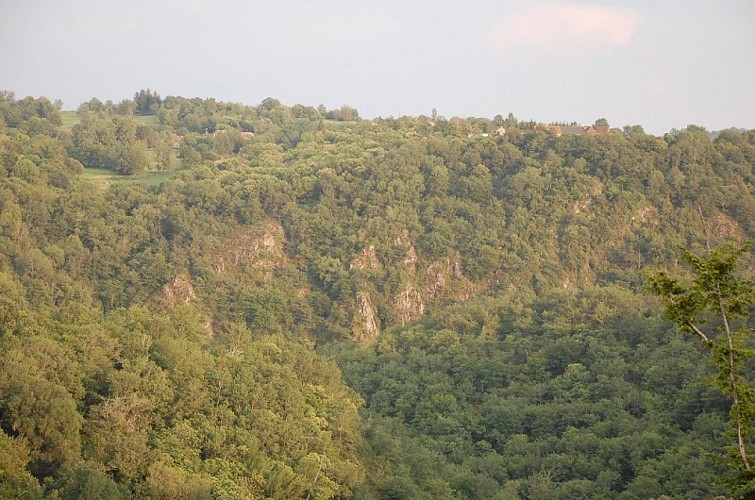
column 315, row 305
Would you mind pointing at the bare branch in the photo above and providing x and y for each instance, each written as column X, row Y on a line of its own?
column 697, row 331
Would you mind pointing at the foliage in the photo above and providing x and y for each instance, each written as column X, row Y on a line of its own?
column 565, row 406
column 167, row 334
column 146, row 102
column 717, row 291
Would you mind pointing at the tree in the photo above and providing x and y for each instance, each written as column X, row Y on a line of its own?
column 716, row 293
column 600, row 122
column 147, row 102
column 346, row 113
column 85, row 481
column 163, row 151
column 132, row 159
column 15, row 479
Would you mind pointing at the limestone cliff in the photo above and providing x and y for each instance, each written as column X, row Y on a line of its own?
column 256, row 248
column 367, row 259
column 177, row 291
column 445, row 280
column 364, row 326
column 409, row 304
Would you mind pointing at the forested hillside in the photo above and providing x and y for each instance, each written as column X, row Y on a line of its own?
column 209, row 300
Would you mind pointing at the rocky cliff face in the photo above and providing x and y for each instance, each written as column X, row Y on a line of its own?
column 409, row 263
column 257, row 248
column 365, row 325
column 441, row 282
column 724, row 226
column 445, row 280
column 255, row 252
column 367, row 259
column 409, row 304
column 177, row 291
column 180, row 291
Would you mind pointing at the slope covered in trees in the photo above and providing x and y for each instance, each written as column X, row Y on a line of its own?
column 315, row 307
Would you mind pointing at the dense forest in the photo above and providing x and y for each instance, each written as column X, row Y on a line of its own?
column 202, row 299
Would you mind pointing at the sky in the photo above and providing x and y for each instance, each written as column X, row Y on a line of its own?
column 661, row 64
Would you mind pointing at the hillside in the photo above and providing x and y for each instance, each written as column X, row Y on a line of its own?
column 218, row 300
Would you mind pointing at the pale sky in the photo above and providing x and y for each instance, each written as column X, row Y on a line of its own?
column 661, row 64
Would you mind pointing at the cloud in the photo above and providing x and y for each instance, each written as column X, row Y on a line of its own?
column 563, row 26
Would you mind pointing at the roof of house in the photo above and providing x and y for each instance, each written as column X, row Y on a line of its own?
column 602, row 130
column 572, row 129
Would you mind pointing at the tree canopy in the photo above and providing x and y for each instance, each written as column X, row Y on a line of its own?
column 202, row 299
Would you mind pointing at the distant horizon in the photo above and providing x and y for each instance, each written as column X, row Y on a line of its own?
column 660, row 65
column 378, row 117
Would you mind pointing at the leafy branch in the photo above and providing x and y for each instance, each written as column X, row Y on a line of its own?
column 717, row 293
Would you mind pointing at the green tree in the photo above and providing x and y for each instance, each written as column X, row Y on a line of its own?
column 132, row 159
column 85, row 481
column 147, row 102
column 717, row 294
column 163, row 151
column 15, row 479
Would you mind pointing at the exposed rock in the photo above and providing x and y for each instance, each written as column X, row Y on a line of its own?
column 207, row 325
column 410, row 258
column 455, row 265
column 579, row 206
column 446, row 279
column 366, row 260
column 646, row 213
column 438, row 279
column 409, row 304
column 260, row 247
column 582, row 205
column 410, row 261
column 365, row 326
column 725, row 227
column 587, row 275
column 402, row 239
column 178, row 291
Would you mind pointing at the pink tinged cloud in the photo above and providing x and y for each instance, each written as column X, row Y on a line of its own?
column 549, row 26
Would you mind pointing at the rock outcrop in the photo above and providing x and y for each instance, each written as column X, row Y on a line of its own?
column 258, row 247
column 409, row 263
column 409, row 304
column 180, row 291
column 367, row 259
column 446, row 280
column 177, row 291
column 365, row 325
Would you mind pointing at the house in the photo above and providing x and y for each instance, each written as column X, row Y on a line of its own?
column 247, row 136
column 499, row 130
column 602, row 130
column 176, row 140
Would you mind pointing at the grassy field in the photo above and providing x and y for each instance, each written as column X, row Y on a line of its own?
column 71, row 118
column 105, row 178
column 150, row 120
